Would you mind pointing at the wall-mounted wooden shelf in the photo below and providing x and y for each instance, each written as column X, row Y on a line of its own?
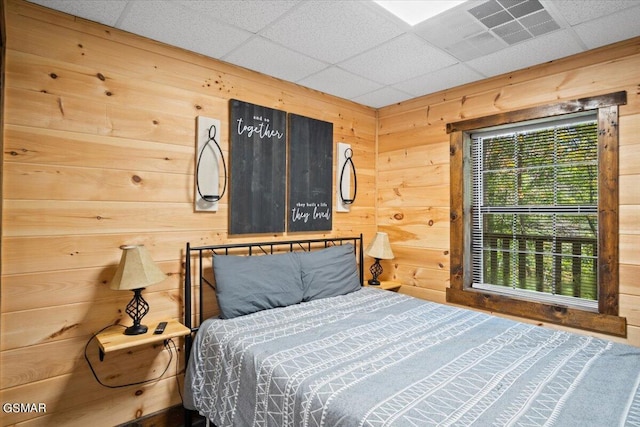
column 114, row 339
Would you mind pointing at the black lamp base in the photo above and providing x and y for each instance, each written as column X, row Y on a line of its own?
column 136, row 330
column 136, row 309
column 376, row 270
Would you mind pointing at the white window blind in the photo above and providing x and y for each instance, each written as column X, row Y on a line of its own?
column 535, row 210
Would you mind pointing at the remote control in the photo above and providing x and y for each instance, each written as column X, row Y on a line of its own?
column 160, row 328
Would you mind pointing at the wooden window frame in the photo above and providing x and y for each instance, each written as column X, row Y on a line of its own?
column 606, row 319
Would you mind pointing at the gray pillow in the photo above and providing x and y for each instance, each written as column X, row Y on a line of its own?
column 329, row 272
column 246, row 284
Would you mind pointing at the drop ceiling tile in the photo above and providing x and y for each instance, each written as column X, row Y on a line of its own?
column 105, row 12
column 264, row 56
column 382, row 97
column 168, row 22
column 250, row 15
column 402, row 58
column 531, row 52
column 446, row 78
column 619, row 26
column 336, row 81
column 579, row 11
column 331, row 30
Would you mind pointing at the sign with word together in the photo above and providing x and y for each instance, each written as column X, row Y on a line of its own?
column 258, row 154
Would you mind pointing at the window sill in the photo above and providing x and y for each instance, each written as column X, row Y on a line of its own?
column 539, row 297
column 556, row 314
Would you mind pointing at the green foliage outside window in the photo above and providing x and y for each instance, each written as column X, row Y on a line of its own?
column 536, row 193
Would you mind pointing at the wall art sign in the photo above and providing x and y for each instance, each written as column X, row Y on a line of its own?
column 310, row 174
column 258, row 156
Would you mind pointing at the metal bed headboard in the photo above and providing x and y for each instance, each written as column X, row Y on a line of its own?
column 201, row 253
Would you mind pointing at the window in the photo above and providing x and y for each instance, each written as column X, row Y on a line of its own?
column 535, row 210
column 534, row 213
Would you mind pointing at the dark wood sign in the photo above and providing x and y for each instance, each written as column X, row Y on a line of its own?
column 310, row 174
column 258, row 169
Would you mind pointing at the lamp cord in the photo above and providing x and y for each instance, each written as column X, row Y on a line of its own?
column 177, row 371
column 95, row 375
column 209, row 198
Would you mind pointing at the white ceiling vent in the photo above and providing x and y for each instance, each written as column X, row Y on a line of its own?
column 514, row 20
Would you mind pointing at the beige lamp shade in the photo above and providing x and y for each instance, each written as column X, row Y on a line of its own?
column 380, row 248
column 136, row 270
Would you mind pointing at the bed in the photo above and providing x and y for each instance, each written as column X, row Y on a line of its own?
column 362, row 356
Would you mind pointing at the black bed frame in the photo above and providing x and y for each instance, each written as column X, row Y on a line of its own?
column 202, row 253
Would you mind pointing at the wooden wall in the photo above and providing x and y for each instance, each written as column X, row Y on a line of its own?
column 413, row 162
column 99, row 143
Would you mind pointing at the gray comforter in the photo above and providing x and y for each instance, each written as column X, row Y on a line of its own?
column 377, row 358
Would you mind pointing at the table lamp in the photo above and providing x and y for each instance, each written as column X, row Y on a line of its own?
column 378, row 249
column 135, row 272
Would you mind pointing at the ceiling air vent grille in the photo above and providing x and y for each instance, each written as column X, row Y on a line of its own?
column 514, row 20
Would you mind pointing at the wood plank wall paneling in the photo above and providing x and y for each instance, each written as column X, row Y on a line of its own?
column 99, row 151
column 412, row 139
